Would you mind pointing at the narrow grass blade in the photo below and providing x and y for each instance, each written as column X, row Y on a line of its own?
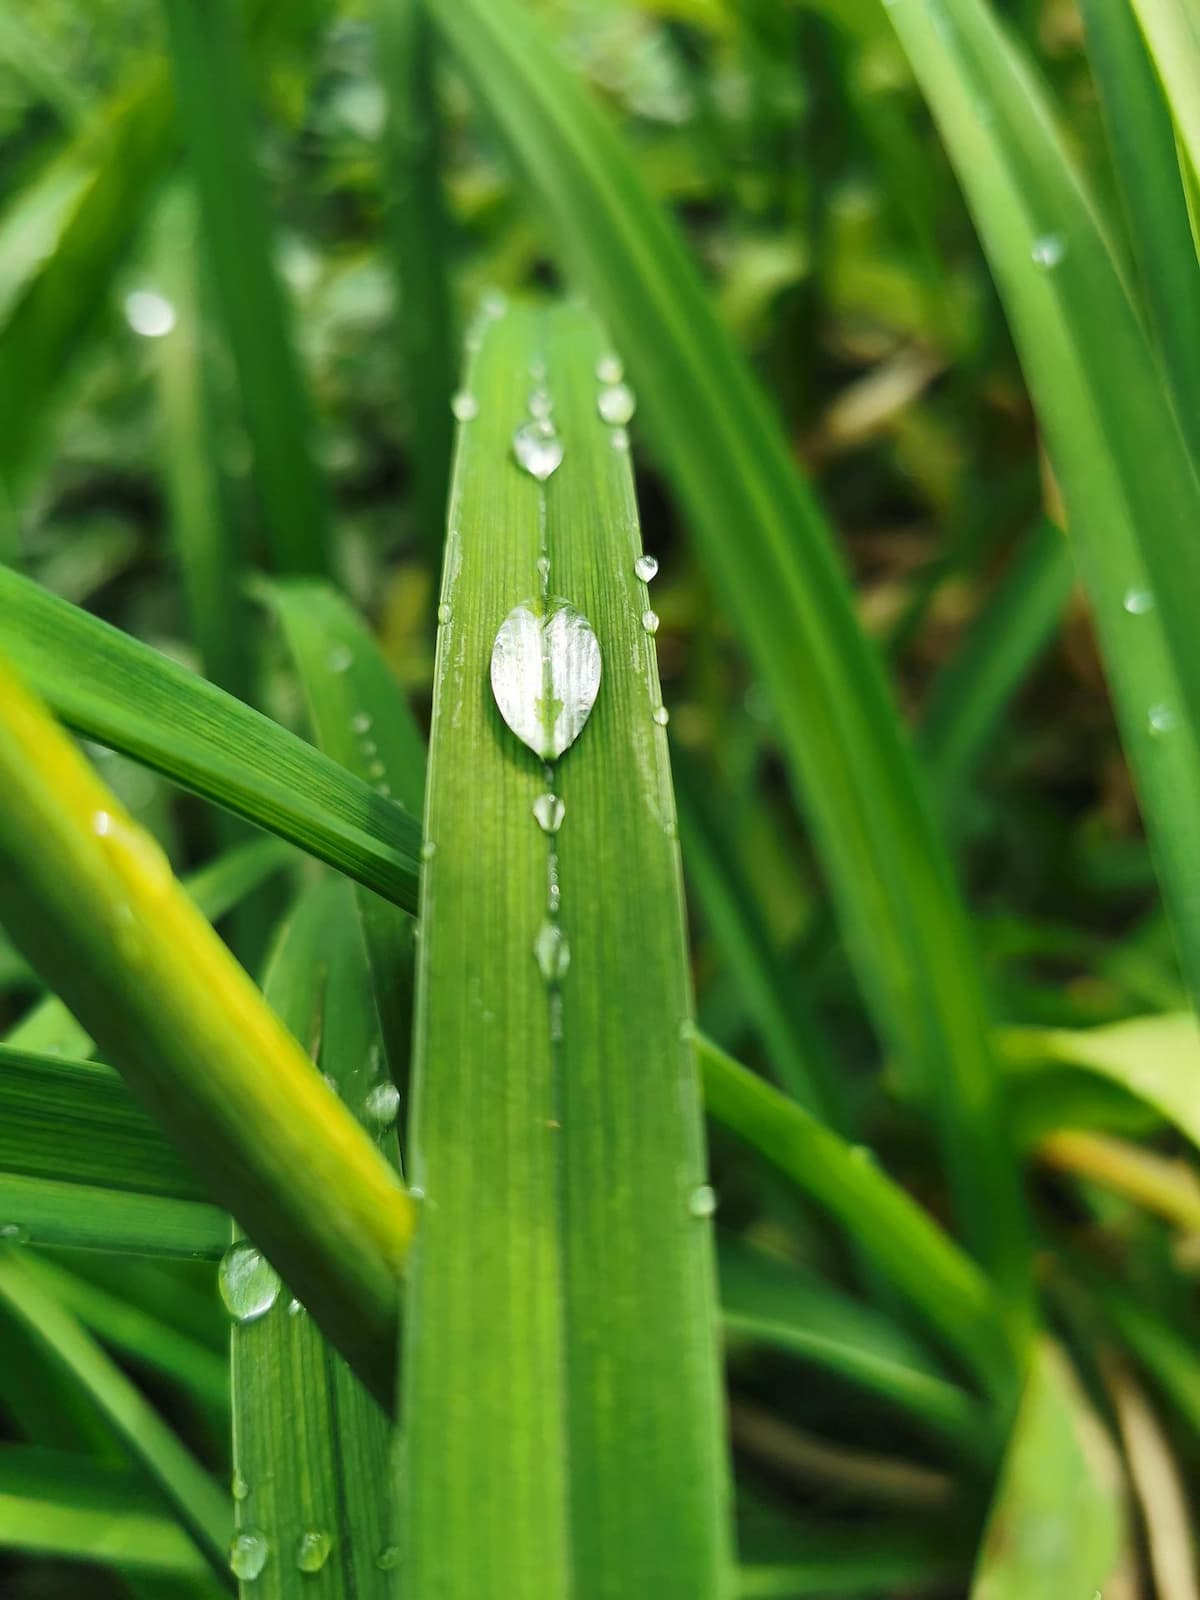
column 216, row 889
column 419, row 235
column 197, row 1502
column 970, row 694
column 50, row 1212
column 952, row 1295
column 311, row 1447
column 64, row 1506
column 98, row 913
column 1132, row 494
column 208, row 55
column 122, row 693
column 560, row 1366
column 1142, row 137
column 771, row 557
column 1172, row 32
column 361, row 719
column 1060, row 1472
column 1166, row 1354
column 1160, row 1184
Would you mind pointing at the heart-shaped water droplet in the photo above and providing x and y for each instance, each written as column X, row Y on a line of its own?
column 546, row 674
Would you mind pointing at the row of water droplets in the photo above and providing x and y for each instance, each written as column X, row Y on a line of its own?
column 339, row 660
column 1160, row 719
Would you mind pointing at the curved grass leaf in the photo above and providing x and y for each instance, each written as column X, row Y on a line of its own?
column 560, row 1362
column 96, row 910
column 52, row 1212
column 771, row 556
column 1172, row 32
column 122, row 693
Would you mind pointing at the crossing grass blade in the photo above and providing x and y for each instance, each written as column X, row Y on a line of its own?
column 60, row 1504
column 1131, row 492
column 208, row 55
column 1060, row 1471
column 202, row 1509
column 215, row 889
column 122, row 693
column 560, row 1414
column 98, row 913
column 1172, row 33
column 359, row 717
column 311, row 1447
column 53, row 1212
column 770, row 554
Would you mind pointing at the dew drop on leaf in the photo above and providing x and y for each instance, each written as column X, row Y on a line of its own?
column 360, row 722
column 650, row 621
column 312, row 1550
column 549, row 811
column 616, row 404
column 239, row 1488
column 14, row 1233
column 1048, row 250
column 609, row 368
column 646, row 568
column 248, row 1555
column 540, row 403
column 339, row 659
column 546, row 674
column 1138, row 601
column 388, row 1558
column 382, row 1105
column 552, row 952
column 661, row 715
column 444, row 612
column 248, row 1282
column 1161, row 719
column 703, row 1201
column 538, row 449
column 464, row 406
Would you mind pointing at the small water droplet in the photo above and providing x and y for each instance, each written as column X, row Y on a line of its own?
column 1161, row 719
column 646, row 568
column 385, row 789
column 537, row 370
column 1138, row 601
column 239, row 1488
column 369, row 747
column 650, row 621
column 296, row 1308
column 549, row 811
column 541, row 403
column 464, row 406
column 444, row 612
column 616, row 404
column 494, row 303
column 389, row 1557
column 382, row 1105
column 248, row 1555
column 148, row 313
column 619, row 438
column 376, row 770
column 416, row 1192
column 661, row 715
column 1048, row 250
column 136, row 854
column 543, row 567
column 312, row 1550
column 545, row 674
column 702, row 1202
column 360, row 722
column 428, row 849
column 14, row 1233
column 552, row 952
column 538, row 449
column 339, row 659
column 609, row 368
column 248, row 1282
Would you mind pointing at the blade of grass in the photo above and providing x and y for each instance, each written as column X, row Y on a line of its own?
column 51, row 1212
column 201, row 1508
column 98, row 913
column 1059, row 1473
column 1172, row 34
column 864, row 1559
column 122, row 693
column 311, row 1447
column 771, row 556
column 560, row 1367
column 1165, row 1353
column 62, row 1505
column 208, row 57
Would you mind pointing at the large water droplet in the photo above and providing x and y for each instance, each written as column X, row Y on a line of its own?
column 549, row 811
column 312, row 1550
column 1048, row 250
column 646, row 568
column 616, row 404
column 546, row 674
column 552, row 952
column 650, row 621
column 538, row 448
column 1138, row 601
column 148, row 313
column 248, row 1555
column 382, row 1105
column 464, row 406
column 1161, row 719
column 609, row 368
column 702, row 1202
column 248, row 1282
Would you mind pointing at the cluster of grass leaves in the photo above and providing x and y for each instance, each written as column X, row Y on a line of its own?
column 909, row 302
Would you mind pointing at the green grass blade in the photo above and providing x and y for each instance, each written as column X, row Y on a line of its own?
column 862, row 1560
column 311, row 1447
column 971, row 692
column 216, row 889
column 197, row 1502
column 64, row 1506
column 208, row 57
column 51, row 1212
column 1142, row 138
column 97, row 912
column 956, row 1301
column 1172, row 33
column 1168, row 1355
column 770, row 555
column 418, row 233
column 121, row 693
column 1131, row 493
column 360, row 718
column 560, row 1366
column 1059, row 1472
